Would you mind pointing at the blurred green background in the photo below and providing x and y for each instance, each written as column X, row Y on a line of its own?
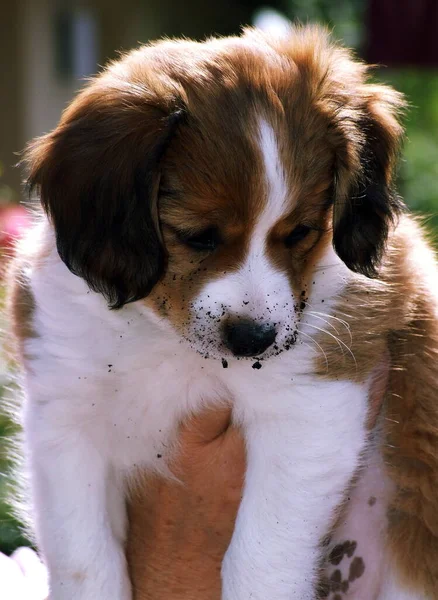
column 49, row 46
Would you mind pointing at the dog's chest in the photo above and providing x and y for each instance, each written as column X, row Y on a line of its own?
column 131, row 383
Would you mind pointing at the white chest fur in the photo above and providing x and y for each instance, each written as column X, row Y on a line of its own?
column 104, row 394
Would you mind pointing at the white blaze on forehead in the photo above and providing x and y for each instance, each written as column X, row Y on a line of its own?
column 262, row 283
column 276, row 201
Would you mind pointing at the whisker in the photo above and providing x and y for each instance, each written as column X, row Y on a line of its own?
column 345, row 323
column 316, row 344
column 339, row 342
column 341, row 321
column 327, row 333
column 339, row 312
column 323, row 320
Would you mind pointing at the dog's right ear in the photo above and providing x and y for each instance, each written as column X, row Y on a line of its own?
column 98, row 175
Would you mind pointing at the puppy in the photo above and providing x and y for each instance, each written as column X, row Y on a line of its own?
column 220, row 223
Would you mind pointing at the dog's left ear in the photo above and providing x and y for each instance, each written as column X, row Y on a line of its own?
column 365, row 203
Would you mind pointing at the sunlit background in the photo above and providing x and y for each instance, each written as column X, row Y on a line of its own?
column 48, row 47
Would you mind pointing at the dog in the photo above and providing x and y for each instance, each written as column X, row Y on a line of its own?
column 220, row 222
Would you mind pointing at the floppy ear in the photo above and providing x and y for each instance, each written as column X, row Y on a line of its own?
column 98, row 177
column 367, row 205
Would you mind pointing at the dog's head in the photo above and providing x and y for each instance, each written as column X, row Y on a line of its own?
column 207, row 180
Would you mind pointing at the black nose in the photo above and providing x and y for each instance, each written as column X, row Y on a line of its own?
column 248, row 338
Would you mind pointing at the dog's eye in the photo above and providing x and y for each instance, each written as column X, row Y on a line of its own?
column 206, row 240
column 296, row 235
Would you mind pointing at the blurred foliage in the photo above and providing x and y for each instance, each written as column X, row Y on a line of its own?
column 11, row 536
column 418, row 174
column 345, row 17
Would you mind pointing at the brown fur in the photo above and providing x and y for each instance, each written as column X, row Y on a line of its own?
column 21, row 306
column 411, row 443
column 20, row 302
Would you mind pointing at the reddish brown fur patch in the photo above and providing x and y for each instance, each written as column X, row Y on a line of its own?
column 22, row 305
column 411, row 453
column 20, row 308
column 357, row 569
column 397, row 312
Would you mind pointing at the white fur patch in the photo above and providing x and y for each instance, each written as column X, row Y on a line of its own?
column 278, row 201
column 392, row 590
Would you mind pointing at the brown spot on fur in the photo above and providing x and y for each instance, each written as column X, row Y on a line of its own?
column 336, row 580
column 337, row 554
column 351, row 548
column 372, row 500
column 357, row 569
column 340, row 550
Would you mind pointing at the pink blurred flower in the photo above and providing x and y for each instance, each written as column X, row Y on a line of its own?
column 14, row 221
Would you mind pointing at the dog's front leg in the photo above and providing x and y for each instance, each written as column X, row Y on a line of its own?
column 78, row 509
column 302, row 450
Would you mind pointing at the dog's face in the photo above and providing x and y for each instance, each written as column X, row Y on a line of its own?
column 211, row 182
column 241, row 246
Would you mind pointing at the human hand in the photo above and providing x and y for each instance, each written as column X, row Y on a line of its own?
column 179, row 532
